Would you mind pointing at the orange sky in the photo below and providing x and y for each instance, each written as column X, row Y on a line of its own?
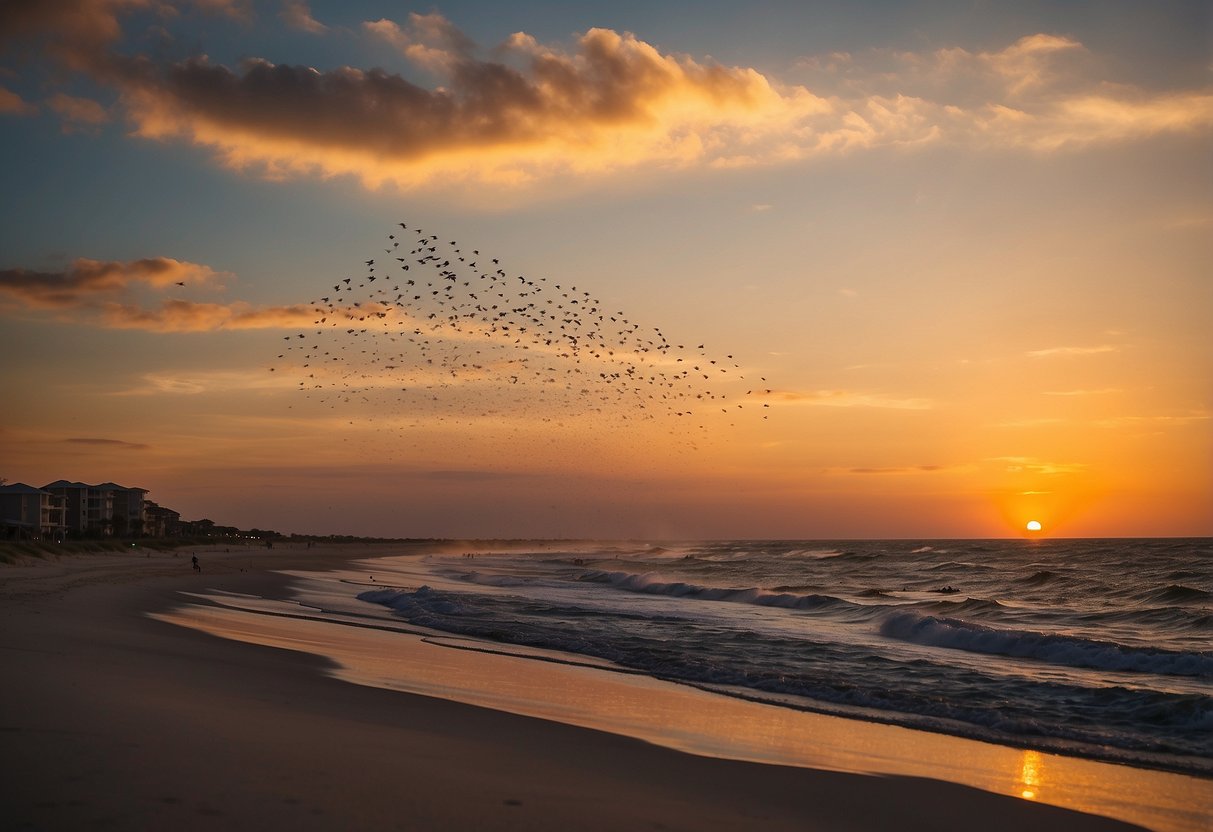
column 968, row 256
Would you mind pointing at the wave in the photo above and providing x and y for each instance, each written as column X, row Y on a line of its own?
column 957, row 634
column 812, row 554
column 1044, row 576
column 1180, row 594
column 960, row 564
column 969, row 606
column 651, row 583
column 482, row 579
column 836, row 679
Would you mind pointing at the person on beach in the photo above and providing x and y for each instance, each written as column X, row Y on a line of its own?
column 197, row 568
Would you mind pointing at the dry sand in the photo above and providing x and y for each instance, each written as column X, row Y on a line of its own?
column 111, row 719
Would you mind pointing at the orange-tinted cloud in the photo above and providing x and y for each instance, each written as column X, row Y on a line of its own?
column 615, row 102
column 188, row 316
column 109, row 443
column 1031, row 465
column 298, row 15
column 609, row 102
column 76, row 32
column 198, row 382
column 1054, row 352
column 848, row 398
column 14, row 105
column 89, row 280
column 77, row 113
column 114, row 294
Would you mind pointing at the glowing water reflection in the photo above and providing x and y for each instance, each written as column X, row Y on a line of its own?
column 1031, row 774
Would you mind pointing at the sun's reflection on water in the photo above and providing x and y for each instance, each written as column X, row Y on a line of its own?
column 1031, row 774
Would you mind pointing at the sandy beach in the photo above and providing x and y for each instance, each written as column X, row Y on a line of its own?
column 114, row 719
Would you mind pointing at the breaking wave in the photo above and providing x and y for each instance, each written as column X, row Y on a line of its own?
column 952, row 633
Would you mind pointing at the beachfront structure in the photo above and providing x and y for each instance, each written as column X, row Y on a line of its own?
column 30, row 512
column 63, row 509
column 99, row 510
column 159, row 521
column 128, row 507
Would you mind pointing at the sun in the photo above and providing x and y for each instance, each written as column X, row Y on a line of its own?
column 1034, row 526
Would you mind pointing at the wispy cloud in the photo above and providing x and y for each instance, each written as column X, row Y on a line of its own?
column 1103, row 391
column 197, row 382
column 459, row 476
column 77, row 113
column 608, row 101
column 1054, row 352
column 87, row 280
column 12, row 104
column 189, row 316
column 849, row 398
column 1159, row 419
column 123, row 295
column 911, row 469
column 1031, row 465
column 298, row 15
column 109, row 443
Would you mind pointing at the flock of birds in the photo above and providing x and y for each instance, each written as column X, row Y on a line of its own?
column 431, row 326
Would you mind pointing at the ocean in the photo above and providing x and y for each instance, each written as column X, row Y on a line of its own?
column 1101, row 649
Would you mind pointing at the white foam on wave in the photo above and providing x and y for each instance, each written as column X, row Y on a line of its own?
column 652, row 583
column 956, row 634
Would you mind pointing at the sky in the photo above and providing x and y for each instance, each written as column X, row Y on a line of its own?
column 952, row 263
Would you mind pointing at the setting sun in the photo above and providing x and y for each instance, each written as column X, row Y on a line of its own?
column 1034, row 525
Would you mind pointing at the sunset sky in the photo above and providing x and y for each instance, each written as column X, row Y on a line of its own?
column 967, row 247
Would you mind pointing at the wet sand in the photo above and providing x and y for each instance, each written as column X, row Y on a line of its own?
column 113, row 719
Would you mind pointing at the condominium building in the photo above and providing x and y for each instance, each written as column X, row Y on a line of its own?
column 99, row 510
column 31, row 512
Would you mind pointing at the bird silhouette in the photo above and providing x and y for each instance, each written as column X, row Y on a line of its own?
column 544, row 349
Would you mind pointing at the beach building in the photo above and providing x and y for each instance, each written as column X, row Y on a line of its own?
column 159, row 521
column 86, row 510
column 99, row 510
column 29, row 512
column 127, row 510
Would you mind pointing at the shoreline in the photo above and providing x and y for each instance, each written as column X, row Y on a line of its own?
column 116, row 716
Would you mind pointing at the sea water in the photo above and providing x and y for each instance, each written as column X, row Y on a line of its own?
column 1092, row 648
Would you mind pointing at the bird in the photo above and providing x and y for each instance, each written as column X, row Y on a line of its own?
column 554, row 345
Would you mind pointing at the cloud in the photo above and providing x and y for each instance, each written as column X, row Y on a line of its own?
column 430, row 41
column 1099, row 392
column 88, row 280
column 112, row 294
column 115, row 443
column 77, row 113
column 12, row 104
column 298, row 15
column 911, row 469
column 1195, row 416
column 849, row 398
column 195, row 382
column 187, row 316
column 75, row 32
column 526, row 111
column 615, row 102
column 1054, row 352
column 240, row 10
column 1031, row 465
column 457, row 476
